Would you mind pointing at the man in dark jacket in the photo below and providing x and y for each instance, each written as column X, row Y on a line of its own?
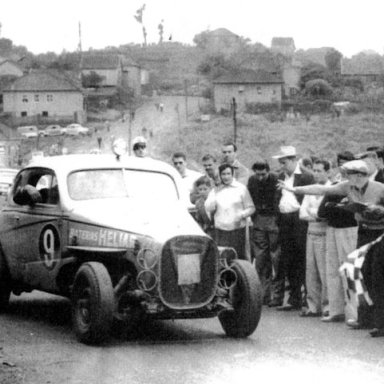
column 265, row 245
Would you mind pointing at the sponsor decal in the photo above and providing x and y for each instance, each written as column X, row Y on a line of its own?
column 49, row 246
column 86, row 235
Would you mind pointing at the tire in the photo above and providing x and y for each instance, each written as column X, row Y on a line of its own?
column 246, row 298
column 92, row 303
column 5, row 283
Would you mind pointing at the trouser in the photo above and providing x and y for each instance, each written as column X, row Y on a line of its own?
column 315, row 275
column 266, row 253
column 371, row 277
column 377, row 284
column 234, row 239
column 340, row 242
column 293, row 233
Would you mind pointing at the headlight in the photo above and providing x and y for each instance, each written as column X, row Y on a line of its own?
column 147, row 258
column 146, row 280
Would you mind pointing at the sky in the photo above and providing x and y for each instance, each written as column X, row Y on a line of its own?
column 50, row 25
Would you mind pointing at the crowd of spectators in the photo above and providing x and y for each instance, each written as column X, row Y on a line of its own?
column 313, row 229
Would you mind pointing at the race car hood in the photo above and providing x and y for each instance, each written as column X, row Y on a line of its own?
column 158, row 221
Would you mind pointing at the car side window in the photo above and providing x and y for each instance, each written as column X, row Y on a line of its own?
column 45, row 182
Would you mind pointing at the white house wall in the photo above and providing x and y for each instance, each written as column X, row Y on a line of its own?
column 245, row 93
column 55, row 103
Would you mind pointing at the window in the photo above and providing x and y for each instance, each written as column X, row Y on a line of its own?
column 258, row 90
column 25, row 99
column 135, row 186
column 44, row 113
column 36, row 98
column 49, row 97
column 43, row 180
column 274, row 92
column 24, row 113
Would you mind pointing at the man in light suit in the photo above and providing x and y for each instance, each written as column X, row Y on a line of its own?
column 293, row 231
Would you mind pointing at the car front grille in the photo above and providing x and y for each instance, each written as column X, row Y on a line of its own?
column 188, row 272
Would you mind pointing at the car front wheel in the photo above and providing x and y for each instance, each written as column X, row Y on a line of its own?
column 246, row 300
column 5, row 283
column 92, row 303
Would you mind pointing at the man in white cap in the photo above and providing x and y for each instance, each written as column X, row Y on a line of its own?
column 139, row 146
column 292, row 230
column 365, row 198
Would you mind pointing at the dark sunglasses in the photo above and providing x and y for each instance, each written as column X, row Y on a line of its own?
column 139, row 146
column 177, row 162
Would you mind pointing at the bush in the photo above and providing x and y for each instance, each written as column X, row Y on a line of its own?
column 318, row 88
column 258, row 108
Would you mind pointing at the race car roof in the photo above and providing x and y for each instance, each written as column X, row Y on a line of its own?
column 68, row 163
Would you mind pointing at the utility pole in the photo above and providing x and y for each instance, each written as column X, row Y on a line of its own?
column 234, row 106
column 130, row 120
column 186, row 99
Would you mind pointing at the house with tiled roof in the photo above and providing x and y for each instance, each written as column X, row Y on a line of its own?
column 107, row 66
column 369, row 69
column 46, row 94
column 246, row 86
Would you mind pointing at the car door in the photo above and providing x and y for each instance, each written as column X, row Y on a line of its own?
column 31, row 236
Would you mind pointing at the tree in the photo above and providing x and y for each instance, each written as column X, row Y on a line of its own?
column 139, row 18
column 160, row 27
column 318, row 88
column 202, row 39
column 333, row 60
column 92, row 80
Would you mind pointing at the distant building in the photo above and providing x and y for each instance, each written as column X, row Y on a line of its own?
column 291, row 74
column 46, row 94
column 368, row 71
column 247, row 87
column 131, row 77
column 283, row 45
column 108, row 67
column 115, row 70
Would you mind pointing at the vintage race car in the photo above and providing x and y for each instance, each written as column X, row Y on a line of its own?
column 114, row 235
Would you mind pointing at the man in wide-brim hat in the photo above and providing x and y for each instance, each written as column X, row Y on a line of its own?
column 292, row 229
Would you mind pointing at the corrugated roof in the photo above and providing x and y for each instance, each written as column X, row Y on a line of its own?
column 100, row 61
column 250, row 77
column 44, row 81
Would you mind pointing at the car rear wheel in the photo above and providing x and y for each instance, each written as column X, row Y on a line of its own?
column 93, row 303
column 246, row 300
column 5, row 283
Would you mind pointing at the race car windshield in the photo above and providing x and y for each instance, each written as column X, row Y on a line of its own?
column 119, row 183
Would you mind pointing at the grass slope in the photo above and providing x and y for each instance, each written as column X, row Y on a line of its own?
column 323, row 136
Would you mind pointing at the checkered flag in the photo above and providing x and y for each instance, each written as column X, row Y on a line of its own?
column 356, row 290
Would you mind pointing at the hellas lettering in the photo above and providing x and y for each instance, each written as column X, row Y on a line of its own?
column 103, row 237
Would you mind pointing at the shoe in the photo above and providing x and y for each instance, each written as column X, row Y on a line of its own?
column 288, row 307
column 377, row 332
column 354, row 324
column 333, row 319
column 309, row 314
column 275, row 303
